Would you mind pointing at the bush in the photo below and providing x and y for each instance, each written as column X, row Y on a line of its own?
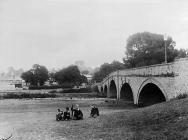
column 44, row 87
column 50, row 87
column 182, row 96
column 27, row 95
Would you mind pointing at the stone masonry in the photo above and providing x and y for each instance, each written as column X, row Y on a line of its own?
column 170, row 78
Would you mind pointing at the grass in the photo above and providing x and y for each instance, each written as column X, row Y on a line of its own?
column 117, row 120
column 80, row 95
column 158, row 122
column 77, row 93
column 80, row 90
column 71, row 90
column 162, row 121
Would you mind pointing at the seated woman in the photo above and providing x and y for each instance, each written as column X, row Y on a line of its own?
column 67, row 114
column 77, row 113
column 94, row 111
column 59, row 115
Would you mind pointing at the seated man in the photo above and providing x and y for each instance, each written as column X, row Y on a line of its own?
column 94, row 111
column 77, row 113
column 59, row 115
column 66, row 114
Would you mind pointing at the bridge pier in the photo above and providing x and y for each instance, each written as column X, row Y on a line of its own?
column 118, row 86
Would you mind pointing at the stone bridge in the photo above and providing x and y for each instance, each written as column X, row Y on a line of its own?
column 148, row 85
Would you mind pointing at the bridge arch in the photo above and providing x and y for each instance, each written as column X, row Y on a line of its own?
column 113, row 90
column 151, row 92
column 102, row 90
column 105, row 90
column 126, row 92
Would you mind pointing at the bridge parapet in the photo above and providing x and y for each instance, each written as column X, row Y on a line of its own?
column 159, row 70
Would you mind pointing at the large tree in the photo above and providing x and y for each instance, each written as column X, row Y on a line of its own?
column 36, row 76
column 70, row 75
column 146, row 48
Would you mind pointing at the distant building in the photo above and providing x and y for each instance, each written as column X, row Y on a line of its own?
column 11, row 82
column 89, row 78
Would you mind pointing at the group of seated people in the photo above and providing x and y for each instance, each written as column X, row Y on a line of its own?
column 63, row 115
column 75, row 114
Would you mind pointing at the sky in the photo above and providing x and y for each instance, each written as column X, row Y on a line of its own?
column 56, row 33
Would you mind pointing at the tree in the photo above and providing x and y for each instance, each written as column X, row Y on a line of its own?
column 51, row 77
column 40, row 73
column 28, row 77
column 116, row 65
column 69, row 75
column 146, row 48
column 84, row 79
column 106, row 69
column 36, row 76
column 182, row 53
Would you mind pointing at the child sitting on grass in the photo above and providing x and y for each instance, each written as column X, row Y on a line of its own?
column 94, row 111
column 67, row 114
column 59, row 115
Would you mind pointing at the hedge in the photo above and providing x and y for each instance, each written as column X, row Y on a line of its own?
column 50, row 87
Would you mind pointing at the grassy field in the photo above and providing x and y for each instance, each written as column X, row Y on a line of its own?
column 35, row 120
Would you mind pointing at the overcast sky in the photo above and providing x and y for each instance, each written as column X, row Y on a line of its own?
column 56, row 33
